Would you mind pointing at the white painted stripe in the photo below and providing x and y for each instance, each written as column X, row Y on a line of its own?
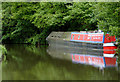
column 108, row 55
column 108, row 44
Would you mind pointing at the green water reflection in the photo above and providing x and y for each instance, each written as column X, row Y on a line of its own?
column 27, row 62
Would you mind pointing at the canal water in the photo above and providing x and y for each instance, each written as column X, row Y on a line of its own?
column 28, row 62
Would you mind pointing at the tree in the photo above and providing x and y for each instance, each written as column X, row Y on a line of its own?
column 107, row 17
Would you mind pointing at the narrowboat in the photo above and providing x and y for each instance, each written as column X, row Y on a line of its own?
column 82, row 39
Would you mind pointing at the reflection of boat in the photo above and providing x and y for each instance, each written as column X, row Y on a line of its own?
column 81, row 40
column 83, row 56
column 109, row 51
column 97, row 61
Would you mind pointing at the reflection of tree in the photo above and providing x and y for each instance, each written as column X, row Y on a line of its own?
column 21, row 55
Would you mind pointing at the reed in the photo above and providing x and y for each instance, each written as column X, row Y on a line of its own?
column 3, row 52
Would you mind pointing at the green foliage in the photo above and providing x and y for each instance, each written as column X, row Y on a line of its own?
column 107, row 17
column 79, row 15
column 49, row 14
column 32, row 22
column 118, row 51
column 16, row 28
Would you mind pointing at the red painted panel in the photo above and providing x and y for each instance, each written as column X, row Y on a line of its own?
column 77, row 36
column 93, row 37
column 109, row 39
column 87, row 37
column 110, row 61
column 72, row 36
column 97, row 37
column 80, row 37
column 109, row 47
column 110, row 52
